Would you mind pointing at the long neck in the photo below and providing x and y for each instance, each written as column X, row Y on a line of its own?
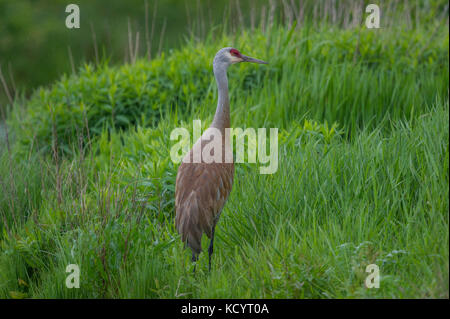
column 222, row 116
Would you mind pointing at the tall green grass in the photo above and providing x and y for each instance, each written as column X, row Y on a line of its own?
column 354, row 78
column 362, row 177
column 307, row 231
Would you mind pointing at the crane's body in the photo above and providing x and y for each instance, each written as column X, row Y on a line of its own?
column 202, row 188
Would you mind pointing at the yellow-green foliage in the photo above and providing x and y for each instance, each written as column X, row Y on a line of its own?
column 372, row 187
column 309, row 72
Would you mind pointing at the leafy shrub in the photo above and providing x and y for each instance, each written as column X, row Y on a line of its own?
column 329, row 74
column 139, row 163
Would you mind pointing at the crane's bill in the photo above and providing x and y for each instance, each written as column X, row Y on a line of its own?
column 252, row 60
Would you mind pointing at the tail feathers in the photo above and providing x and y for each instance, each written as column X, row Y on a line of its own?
column 195, row 243
column 191, row 235
column 189, row 228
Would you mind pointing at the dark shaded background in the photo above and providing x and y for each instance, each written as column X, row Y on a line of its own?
column 35, row 45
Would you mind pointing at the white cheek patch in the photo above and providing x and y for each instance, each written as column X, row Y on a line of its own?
column 233, row 59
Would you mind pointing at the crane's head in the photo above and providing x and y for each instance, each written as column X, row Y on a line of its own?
column 227, row 56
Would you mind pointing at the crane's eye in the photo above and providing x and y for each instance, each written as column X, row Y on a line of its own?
column 235, row 52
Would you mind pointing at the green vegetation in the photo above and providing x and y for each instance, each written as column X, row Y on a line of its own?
column 36, row 48
column 391, row 74
column 363, row 173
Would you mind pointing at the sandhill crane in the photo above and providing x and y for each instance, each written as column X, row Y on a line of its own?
column 202, row 187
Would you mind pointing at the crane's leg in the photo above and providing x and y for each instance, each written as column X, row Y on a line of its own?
column 210, row 249
column 194, row 260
